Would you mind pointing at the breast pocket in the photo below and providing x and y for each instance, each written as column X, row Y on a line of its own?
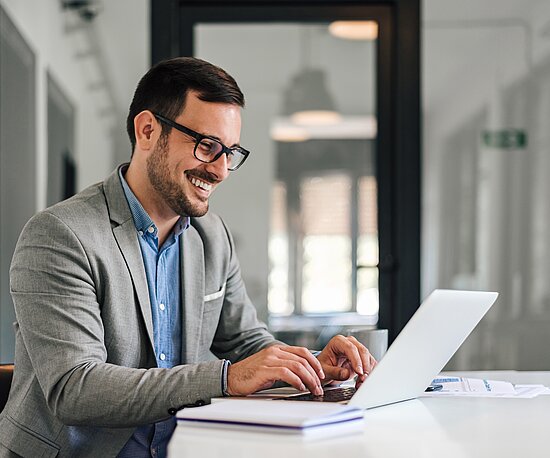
column 214, row 300
column 213, row 303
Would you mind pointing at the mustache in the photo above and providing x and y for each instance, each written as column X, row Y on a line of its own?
column 203, row 175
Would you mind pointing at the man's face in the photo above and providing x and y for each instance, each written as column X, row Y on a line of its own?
column 182, row 181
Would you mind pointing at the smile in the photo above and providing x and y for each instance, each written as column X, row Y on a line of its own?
column 201, row 184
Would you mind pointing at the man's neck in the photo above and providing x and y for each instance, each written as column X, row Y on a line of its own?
column 161, row 214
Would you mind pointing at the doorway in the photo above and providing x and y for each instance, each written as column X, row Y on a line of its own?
column 235, row 38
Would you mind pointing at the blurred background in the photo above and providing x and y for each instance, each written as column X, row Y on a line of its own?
column 396, row 149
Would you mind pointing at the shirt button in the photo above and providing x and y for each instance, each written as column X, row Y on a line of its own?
column 140, row 232
column 162, row 356
column 162, row 306
column 150, row 229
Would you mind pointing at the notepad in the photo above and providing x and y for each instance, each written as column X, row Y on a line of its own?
column 271, row 416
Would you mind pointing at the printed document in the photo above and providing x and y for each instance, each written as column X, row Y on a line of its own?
column 471, row 387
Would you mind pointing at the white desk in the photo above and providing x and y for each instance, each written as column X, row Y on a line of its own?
column 430, row 427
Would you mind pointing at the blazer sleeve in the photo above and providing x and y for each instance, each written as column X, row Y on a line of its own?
column 60, row 322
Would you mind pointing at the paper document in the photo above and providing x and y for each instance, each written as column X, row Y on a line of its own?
column 531, row 391
column 471, row 387
column 282, row 417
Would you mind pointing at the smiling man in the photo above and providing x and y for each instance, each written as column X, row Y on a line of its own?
column 123, row 291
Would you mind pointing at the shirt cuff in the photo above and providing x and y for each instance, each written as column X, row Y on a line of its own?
column 225, row 367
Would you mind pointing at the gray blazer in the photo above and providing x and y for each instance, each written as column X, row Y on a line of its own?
column 85, row 373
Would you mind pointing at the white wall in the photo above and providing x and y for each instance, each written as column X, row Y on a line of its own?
column 97, row 66
column 119, row 40
column 486, row 66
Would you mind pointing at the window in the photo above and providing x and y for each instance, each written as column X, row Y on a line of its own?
column 324, row 235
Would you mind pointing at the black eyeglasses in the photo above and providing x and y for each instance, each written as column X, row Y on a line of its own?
column 208, row 149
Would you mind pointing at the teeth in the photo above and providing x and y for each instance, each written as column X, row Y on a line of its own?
column 201, row 184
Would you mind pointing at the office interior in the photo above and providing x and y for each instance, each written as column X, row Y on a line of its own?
column 309, row 210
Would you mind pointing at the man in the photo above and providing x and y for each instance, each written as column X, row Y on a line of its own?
column 121, row 291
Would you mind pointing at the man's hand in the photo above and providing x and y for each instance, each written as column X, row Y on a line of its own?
column 293, row 365
column 345, row 356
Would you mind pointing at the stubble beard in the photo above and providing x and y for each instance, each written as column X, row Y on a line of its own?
column 168, row 189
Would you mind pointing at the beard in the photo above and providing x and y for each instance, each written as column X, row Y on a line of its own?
column 158, row 171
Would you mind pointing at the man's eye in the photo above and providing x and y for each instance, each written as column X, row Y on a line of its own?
column 208, row 146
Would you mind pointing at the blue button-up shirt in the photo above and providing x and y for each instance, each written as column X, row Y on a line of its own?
column 162, row 269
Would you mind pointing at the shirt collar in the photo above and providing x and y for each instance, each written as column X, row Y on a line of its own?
column 142, row 220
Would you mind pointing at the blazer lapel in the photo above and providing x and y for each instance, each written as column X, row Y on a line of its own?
column 192, row 266
column 125, row 235
column 124, row 232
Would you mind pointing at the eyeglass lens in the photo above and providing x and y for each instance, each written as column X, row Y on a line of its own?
column 207, row 149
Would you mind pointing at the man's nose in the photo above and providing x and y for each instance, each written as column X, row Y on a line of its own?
column 219, row 167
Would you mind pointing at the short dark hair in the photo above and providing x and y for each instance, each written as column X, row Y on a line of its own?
column 163, row 89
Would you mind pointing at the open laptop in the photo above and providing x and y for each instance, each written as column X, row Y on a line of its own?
column 420, row 351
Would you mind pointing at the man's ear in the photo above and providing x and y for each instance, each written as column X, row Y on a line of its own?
column 147, row 130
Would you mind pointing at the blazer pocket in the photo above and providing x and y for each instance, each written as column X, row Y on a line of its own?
column 23, row 441
column 216, row 295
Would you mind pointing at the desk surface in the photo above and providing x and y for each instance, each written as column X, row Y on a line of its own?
column 429, row 427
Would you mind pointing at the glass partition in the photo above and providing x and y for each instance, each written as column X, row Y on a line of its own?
column 306, row 226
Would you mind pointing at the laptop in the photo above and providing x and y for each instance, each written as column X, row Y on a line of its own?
column 420, row 351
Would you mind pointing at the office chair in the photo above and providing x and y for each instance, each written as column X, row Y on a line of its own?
column 6, row 376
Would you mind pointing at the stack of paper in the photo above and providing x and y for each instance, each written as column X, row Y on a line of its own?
column 471, row 387
column 281, row 417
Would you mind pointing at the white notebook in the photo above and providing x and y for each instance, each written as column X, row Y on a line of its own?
column 280, row 417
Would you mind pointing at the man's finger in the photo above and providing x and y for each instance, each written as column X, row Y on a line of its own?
column 296, row 359
column 337, row 373
column 286, row 375
column 359, row 381
column 306, row 354
column 284, row 356
column 306, row 373
column 366, row 358
column 347, row 348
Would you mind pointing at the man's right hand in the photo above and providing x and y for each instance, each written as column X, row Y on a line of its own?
column 293, row 365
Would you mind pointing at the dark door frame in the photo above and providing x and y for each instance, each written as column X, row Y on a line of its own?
column 399, row 168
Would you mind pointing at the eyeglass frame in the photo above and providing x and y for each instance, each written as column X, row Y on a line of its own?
column 199, row 137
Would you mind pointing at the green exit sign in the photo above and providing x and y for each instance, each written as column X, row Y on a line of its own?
column 505, row 138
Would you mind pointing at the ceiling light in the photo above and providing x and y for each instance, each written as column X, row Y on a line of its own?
column 307, row 99
column 354, row 30
column 284, row 129
column 286, row 132
column 315, row 117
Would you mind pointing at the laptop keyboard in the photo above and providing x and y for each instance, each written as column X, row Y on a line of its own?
column 329, row 395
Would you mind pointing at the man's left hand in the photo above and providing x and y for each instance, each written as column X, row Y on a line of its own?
column 344, row 357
